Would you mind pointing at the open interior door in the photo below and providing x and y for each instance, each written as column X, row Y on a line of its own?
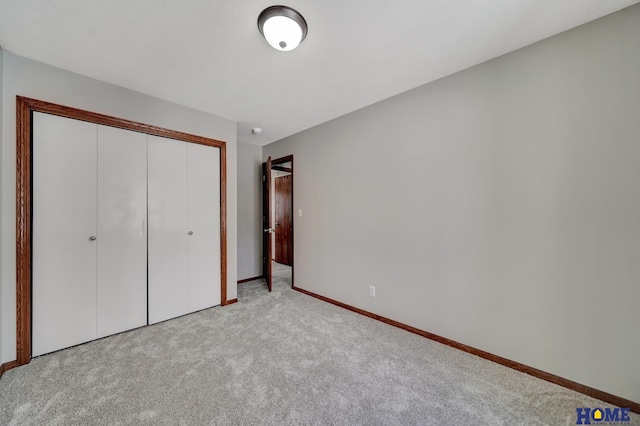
column 283, row 219
column 267, row 226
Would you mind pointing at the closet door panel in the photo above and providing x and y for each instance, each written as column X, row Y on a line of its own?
column 122, row 236
column 167, row 216
column 64, row 220
column 204, row 226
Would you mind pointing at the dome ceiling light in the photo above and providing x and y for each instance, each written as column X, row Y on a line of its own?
column 282, row 27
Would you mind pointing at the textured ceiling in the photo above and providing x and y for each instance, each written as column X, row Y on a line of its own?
column 209, row 55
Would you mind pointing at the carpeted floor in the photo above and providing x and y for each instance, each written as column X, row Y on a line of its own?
column 281, row 273
column 280, row 358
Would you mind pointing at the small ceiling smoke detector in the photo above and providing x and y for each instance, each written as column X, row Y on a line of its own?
column 282, row 27
column 256, row 130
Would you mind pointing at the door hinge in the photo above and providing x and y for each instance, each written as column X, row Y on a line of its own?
column 264, row 178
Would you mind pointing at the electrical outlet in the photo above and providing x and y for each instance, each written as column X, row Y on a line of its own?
column 372, row 291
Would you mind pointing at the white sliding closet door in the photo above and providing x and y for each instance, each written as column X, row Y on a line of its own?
column 64, row 220
column 122, row 233
column 204, row 226
column 167, row 215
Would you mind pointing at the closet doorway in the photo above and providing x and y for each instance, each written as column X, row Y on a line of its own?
column 105, row 141
column 277, row 208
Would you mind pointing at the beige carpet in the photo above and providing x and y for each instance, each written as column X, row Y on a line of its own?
column 279, row 358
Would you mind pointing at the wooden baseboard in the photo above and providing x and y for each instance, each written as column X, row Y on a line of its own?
column 7, row 366
column 569, row 384
column 230, row 302
column 246, row 280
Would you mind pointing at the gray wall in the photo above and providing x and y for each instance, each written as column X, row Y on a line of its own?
column 249, row 211
column 32, row 79
column 498, row 207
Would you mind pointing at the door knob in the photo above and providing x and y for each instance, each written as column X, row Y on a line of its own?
column 270, row 230
column 92, row 238
column 190, row 232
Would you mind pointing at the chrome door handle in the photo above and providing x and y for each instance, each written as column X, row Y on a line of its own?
column 92, row 238
column 270, row 230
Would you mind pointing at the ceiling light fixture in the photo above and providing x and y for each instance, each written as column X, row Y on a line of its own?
column 282, row 27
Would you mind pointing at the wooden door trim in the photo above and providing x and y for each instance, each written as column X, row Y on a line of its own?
column 282, row 169
column 282, row 160
column 24, row 109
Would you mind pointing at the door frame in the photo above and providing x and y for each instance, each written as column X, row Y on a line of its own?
column 276, row 165
column 24, row 115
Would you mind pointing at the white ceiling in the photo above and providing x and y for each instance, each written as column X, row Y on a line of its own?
column 209, row 54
